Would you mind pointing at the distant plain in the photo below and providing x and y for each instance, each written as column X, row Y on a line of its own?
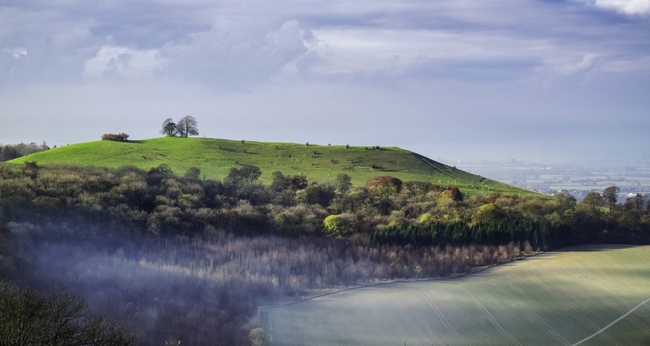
column 579, row 177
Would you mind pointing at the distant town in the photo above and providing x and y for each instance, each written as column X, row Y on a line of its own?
column 578, row 178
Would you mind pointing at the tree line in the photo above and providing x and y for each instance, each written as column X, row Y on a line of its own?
column 161, row 202
column 13, row 151
column 540, row 234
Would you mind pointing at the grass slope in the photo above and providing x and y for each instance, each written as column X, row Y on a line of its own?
column 589, row 295
column 215, row 157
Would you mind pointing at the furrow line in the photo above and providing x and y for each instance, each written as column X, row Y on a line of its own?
column 612, row 323
column 492, row 319
column 442, row 318
column 585, row 318
column 549, row 328
column 397, row 321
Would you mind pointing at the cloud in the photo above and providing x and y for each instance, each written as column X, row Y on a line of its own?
column 479, row 69
column 17, row 53
column 45, row 46
column 239, row 46
column 587, row 63
column 629, row 7
column 236, row 55
column 112, row 61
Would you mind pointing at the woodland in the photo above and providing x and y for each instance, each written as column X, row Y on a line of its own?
column 179, row 260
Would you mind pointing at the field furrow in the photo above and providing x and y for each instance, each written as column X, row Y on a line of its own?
column 532, row 313
column 493, row 319
column 442, row 318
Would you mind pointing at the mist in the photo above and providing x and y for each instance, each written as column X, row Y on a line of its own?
column 207, row 291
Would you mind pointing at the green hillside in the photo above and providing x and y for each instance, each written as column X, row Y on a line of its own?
column 215, row 157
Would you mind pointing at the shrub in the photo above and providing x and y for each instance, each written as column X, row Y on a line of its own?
column 119, row 137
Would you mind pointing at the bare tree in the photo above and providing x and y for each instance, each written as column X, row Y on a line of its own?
column 31, row 317
column 188, row 126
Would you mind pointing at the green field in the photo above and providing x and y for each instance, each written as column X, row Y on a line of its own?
column 215, row 158
column 589, row 295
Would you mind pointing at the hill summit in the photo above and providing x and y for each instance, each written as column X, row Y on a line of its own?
column 215, row 158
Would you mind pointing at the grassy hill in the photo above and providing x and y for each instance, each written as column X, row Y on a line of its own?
column 591, row 295
column 215, row 157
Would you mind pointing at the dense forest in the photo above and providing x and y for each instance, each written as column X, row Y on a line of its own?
column 180, row 259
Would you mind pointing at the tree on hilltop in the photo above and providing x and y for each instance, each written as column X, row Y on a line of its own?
column 169, row 128
column 187, row 126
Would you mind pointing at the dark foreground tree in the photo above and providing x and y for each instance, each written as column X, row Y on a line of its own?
column 32, row 317
column 188, row 126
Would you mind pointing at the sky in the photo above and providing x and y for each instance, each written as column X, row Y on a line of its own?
column 454, row 80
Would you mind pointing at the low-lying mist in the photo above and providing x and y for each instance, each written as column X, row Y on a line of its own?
column 206, row 291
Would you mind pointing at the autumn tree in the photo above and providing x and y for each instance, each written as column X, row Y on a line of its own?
column 384, row 185
column 188, row 126
column 452, row 193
